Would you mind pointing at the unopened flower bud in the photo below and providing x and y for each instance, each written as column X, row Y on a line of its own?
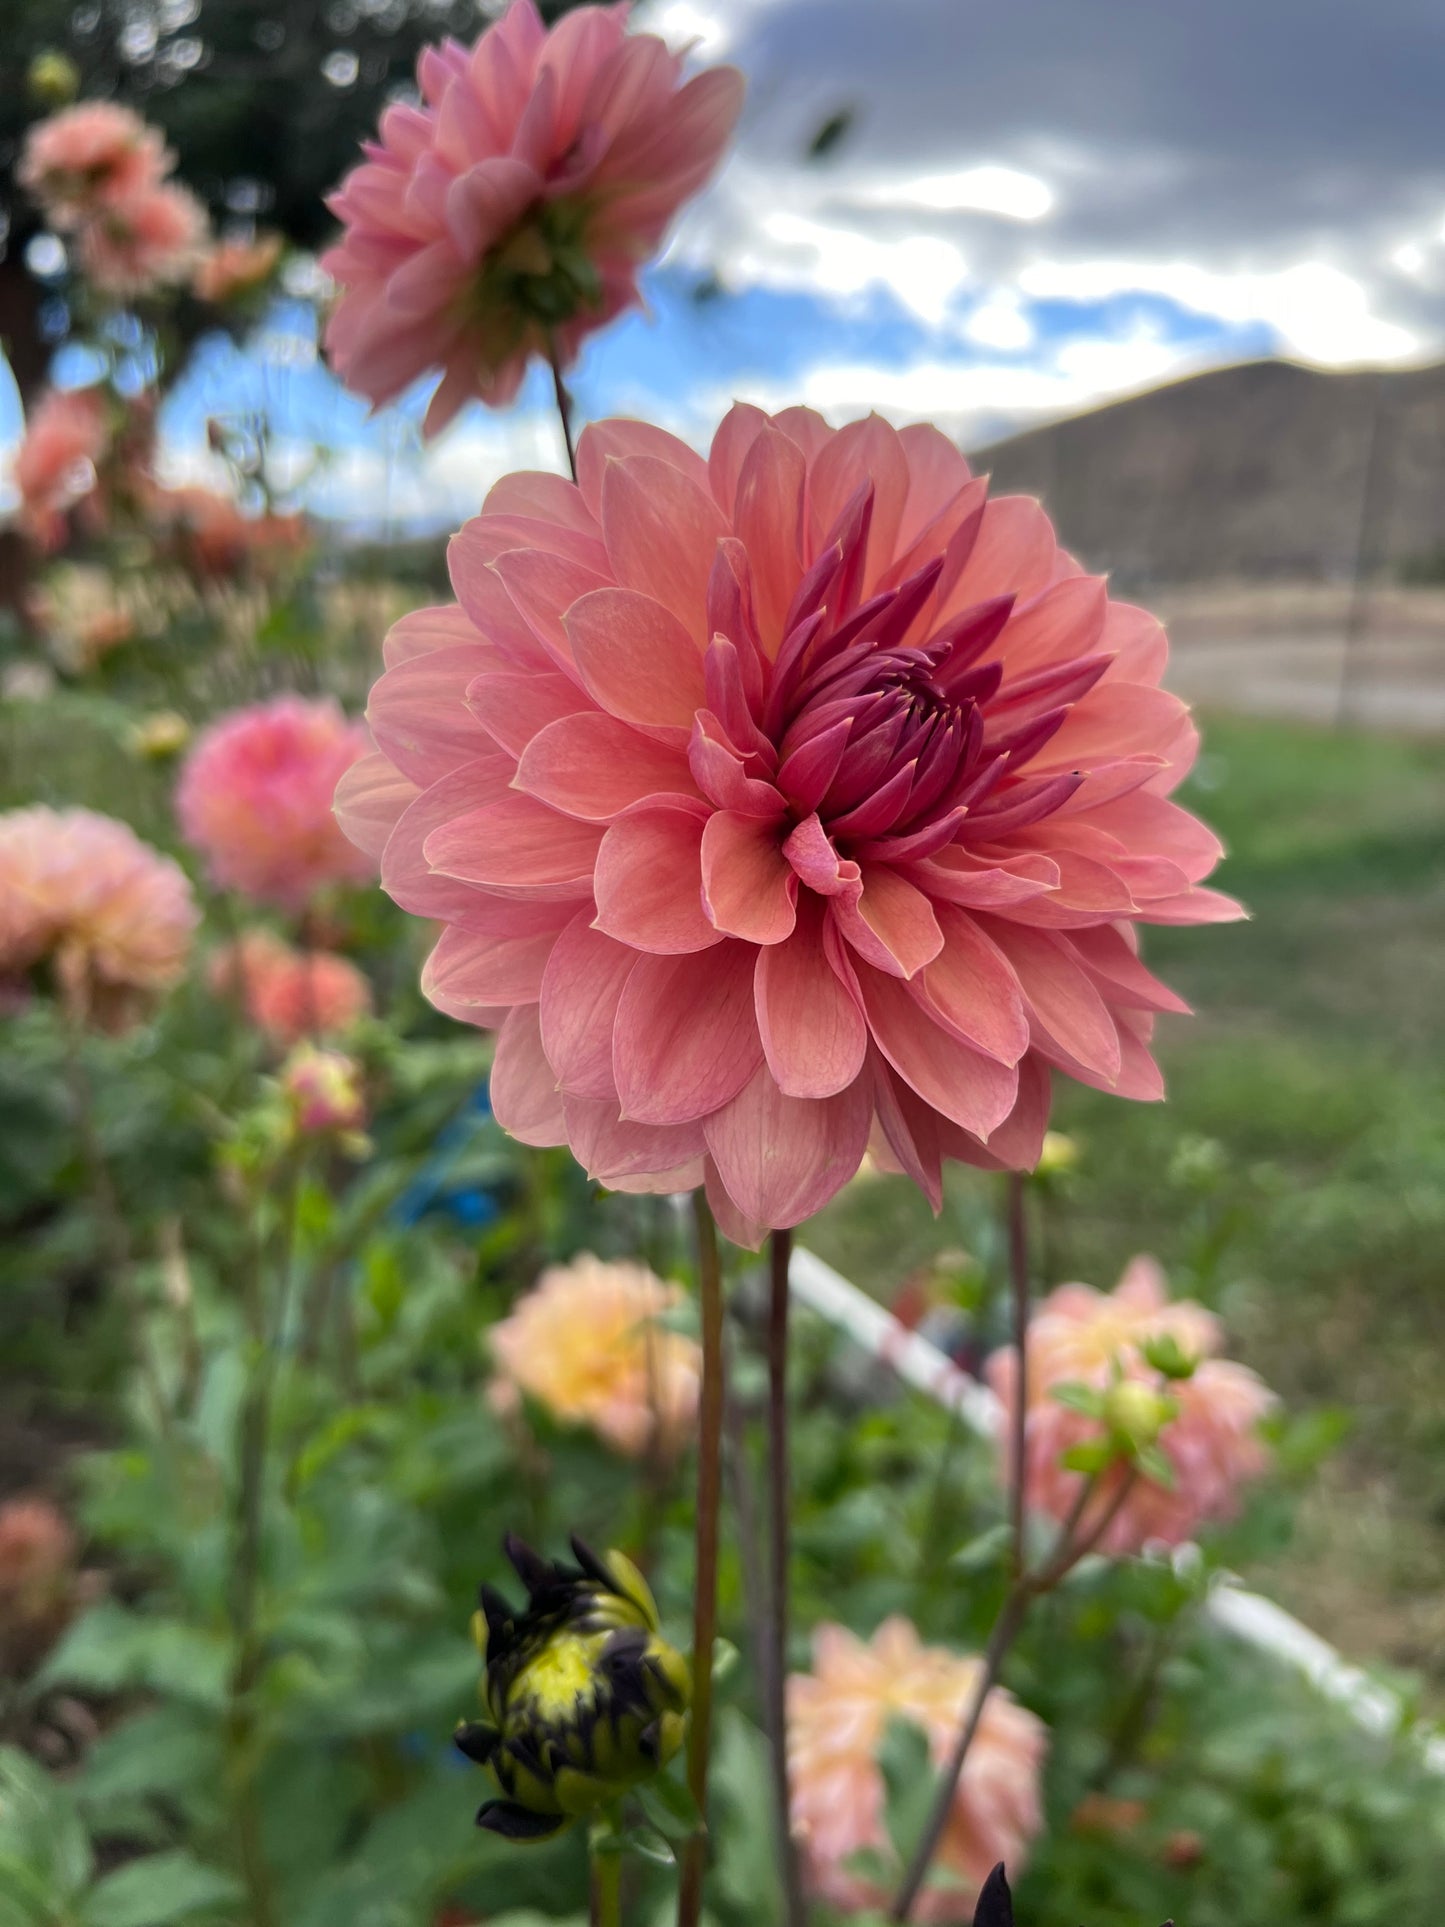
column 324, row 1090
column 53, row 80
column 1136, row 1413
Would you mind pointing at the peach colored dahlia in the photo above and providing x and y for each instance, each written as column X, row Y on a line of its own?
column 838, row 1716
column 66, row 439
column 781, row 800
column 290, row 994
column 81, row 891
column 510, row 211
column 145, row 240
column 88, row 157
column 1085, row 1337
column 255, row 799
column 586, row 1344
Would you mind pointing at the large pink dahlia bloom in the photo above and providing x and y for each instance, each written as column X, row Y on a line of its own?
column 255, row 799
column 1079, row 1336
column 779, row 800
column 506, row 215
column 838, row 1716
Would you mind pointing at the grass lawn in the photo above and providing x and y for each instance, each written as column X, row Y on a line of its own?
column 1296, row 1177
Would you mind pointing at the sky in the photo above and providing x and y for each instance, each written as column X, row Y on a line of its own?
column 1033, row 208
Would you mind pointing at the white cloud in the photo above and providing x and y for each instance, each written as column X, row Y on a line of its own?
column 793, row 250
column 999, row 321
column 988, row 189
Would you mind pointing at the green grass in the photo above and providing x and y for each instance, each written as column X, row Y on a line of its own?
column 1296, row 1176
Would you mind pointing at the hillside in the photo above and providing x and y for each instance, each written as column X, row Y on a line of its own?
column 1256, row 472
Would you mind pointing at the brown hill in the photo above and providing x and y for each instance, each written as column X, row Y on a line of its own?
column 1258, row 472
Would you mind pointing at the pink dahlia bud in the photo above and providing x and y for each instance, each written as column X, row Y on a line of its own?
column 255, row 799
column 506, row 216
column 290, row 994
column 87, row 158
column 66, row 439
column 112, row 917
column 1205, row 1424
column 144, row 240
column 838, row 1717
column 325, row 1092
column 587, row 1345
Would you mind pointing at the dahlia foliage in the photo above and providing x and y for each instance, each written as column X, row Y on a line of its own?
column 779, row 803
column 507, row 214
column 838, row 1717
column 1209, row 1433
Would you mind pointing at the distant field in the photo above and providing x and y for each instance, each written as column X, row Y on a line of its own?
column 1297, row 1174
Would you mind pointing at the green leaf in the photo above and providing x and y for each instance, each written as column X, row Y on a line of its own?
column 40, row 1833
column 1078, row 1398
column 983, row 1552
column 909, row 1778
column 1164, row 1352
column 1097, row 1455
column 157, row 1890
column 670, row 1807
column 1155, row 1465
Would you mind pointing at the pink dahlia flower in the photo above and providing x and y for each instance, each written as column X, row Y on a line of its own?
column 113, row 917
column 1085, row 1337
column 151, row 238
column 255, row 799
column 838, row 1716
column 66, row 440
column 779, row 801
column 325, row 1090
column 87, row 158
column 290, row 994
column 507, row 215
column 587, row 1344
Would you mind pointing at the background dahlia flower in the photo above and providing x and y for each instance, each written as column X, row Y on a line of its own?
column 287, row 993
column 506, row 215
column 111, row 915
column 89, row 157
column 255, row 794
column 325, row 1091
column 148, row 239
column 781, row 800
column 66, row 439
column 586, row 1343
column 838, row 1715
column 1085, row 1337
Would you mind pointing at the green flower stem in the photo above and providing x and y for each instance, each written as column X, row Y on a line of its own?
column 709, row 1496
column 1018, row 1251
column 564, row 405
column 780, row 1253
column 606, row 1910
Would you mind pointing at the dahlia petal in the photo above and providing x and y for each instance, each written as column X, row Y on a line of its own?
column 660, row 1184
column 781, row 1158
column 749, row 889
column 648, row 882
column 662, row 530
column 604, row 442
column 872, row 448
column 1111, row 961
column 686, row 1040
column 1018, row 1143
column 910, row 1129
column 636, row 659
column 545, row 588
column 539, row 495
column 767, row 517
column 1013, row 554
column 814, row 1036
column 1194, row 906
column 731, row 622
column 610, row 1148
column 818, row 864
column 1143, row 820
column 1060, row 996
column 971, row 990
column 514, row 705
column 516, row 844
column 937, row 474
column 406, row 876
column 1058, row 624
column 1113, row 720
column 807, row 773
column 891, row 924
column 419, row 717
column 737, row 1228
column 369, row 800
column 593, row 766
column 487, row 608
column 1141, row 649
column 487, row 200
column 955, row 877
column 722, row 775
column 443, row 627
column 425, row 283
column 734, row 437
column 469, row 970
column 525, row 1100
column 970, row 1089
column 581, row 989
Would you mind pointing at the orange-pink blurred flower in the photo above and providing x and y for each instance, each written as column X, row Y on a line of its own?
column 325, row 1090
column 112, row 915
column 143, row 240
column 781, row 800
column 38, row 1579
column 290, row 994
column 512, row 207
column 212, row 537
column 587, row 1344
column 88, row 157
column 838, row 1715
column 66, row 439
column 1085, row 1337
column 255, row 799
column 234, row 268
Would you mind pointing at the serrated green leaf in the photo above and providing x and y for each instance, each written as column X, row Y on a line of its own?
column 160, row 1889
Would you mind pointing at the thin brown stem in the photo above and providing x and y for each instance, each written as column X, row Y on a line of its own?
column 779, row 1560
column 1018, row 1252
column 564, row 407
column 709, row 1496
